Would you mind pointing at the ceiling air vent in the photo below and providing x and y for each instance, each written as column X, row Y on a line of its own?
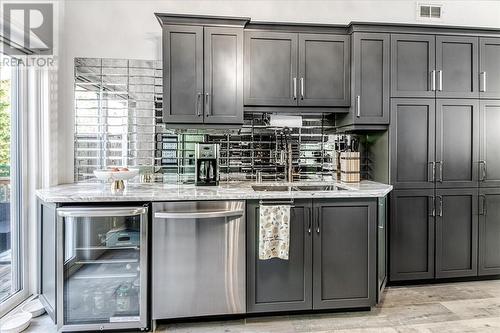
column 429, row 12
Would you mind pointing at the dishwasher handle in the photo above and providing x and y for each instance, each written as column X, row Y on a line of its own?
column 199, row 214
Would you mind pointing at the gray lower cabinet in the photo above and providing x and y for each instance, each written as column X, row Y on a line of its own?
column 489, row 156
column 370, row 86
column 324, row 77
column 202, row 75
column 270, row 68
column 489, row 68
column 457, row 67
column 332, row 259
column 276, row 284
column 412, row 65
column 412, row 235
column 456, row 232
column 412, row 142
column 381, row 247
column 344, row 253
column 457, row 143
column 489, row 231
column 183, row 74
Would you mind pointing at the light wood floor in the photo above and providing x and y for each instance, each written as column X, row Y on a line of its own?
column 440, row 308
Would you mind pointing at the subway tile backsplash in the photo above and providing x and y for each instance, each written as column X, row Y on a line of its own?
column 118, row 122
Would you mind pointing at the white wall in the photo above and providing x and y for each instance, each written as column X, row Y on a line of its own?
column 128, row 29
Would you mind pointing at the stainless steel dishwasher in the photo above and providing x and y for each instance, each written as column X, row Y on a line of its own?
column 198, row 259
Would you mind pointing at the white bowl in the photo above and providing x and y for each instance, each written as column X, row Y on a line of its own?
column 16, row 323
column 35, row 307
column 110, row 176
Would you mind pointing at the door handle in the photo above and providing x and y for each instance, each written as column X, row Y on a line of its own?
column 440, row 212
column 199, row 215
column 433, row 172
column 432, row 203
column 101, row 211
column 294, row 80
column 302, row 89
column 317, row 220
column 440, row 171
column 483, row 205
column 440, row 80
column 482, row 81
column 207, row 104
column 358, row 106
column 433, row 80
column 309, row 218
column 198, row 110
column 483, row 170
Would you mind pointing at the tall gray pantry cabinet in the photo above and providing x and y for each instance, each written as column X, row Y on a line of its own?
column 443, row 166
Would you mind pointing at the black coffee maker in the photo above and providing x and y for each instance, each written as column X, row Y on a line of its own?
column 206, row 157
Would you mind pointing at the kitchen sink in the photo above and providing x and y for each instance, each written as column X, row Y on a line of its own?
column 283, row 188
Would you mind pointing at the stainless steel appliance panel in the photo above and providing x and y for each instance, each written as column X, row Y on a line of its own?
column 198, row 262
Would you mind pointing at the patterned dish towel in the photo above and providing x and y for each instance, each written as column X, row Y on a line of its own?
column 274, row 232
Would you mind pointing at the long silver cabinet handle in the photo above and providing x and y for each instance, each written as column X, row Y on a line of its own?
column 294, row 80
column 358, row 106
column 440, row 80
column 199, row 215
column 440, row 212
column 101, row 211
column 440, row 163
column 198, row 110
column 432, row 203
column 433, row 80
column 302, row 89
column 433, row 172
column 483, row 170
column 309, row 220
column 482, row 81
column 207, row 104
column 317, row 220
column 483, row 205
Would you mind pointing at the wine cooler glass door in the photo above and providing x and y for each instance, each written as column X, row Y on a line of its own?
column 103, row 274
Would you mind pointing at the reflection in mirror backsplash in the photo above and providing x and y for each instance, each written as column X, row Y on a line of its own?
column 118, row 123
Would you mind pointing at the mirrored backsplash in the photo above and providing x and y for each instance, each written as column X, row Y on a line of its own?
column 118, row 105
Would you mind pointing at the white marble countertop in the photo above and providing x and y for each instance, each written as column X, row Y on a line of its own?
column 97, row 192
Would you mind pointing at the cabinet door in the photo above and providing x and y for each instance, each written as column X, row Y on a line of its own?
column 457, row 67
column 182, row 74
column 489, row 232
column 275, row 284
column 457, row 143
column 223, row 75
column 344, row 254
column 324, row 77
column 270, row 68
column 456, row 232
column 489, row 68
column 412, row 65
column 412, row 143
column 489, row 166
column 412, row 235
column 371, row 70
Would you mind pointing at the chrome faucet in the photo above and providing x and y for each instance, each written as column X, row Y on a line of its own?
column 289, row 164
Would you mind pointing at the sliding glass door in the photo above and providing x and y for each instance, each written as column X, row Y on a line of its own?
column 11, row 254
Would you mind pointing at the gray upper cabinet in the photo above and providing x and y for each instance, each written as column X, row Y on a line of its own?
column 412, row 65
column 457, row 143
column 489, row 231
column 203, row 75
column 456, row 232
column 412, row 143
column 489, row 67
column 324, row 78
column 223, row 99
column 457, row 67
column 270, row 68
column 291, row 69
column 489, row 164
column 182, row 74
column 344, row 254
column 412, row 235
column 370, row 75
column 276, row 284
